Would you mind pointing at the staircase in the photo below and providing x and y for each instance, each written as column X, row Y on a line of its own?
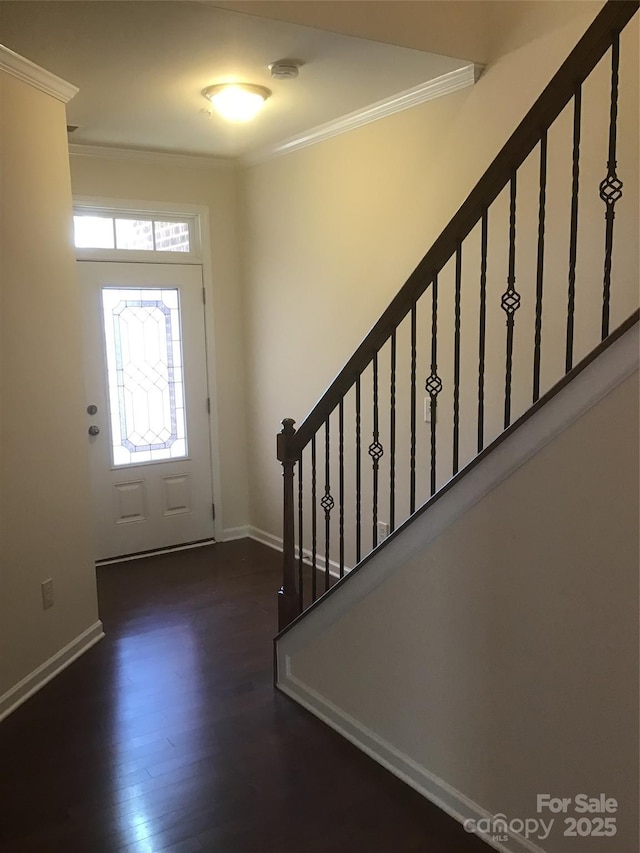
column 486, row 424
column 457, row 350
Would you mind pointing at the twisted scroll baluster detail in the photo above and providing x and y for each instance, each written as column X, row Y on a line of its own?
column 611, row 186
column 510, row 301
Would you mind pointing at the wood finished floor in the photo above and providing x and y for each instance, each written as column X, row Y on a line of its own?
column 169, row 736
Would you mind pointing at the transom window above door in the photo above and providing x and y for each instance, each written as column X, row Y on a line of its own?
column 140, row 235
column 111, row 232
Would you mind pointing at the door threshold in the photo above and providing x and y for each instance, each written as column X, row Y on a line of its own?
column 125, row 558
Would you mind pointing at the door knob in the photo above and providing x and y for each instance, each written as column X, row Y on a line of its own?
column 92, row 409
column 94, row 430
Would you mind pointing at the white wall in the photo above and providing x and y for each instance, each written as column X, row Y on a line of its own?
column 214, row 187
column 45, row 520
column 500, row 661
column 333, row 231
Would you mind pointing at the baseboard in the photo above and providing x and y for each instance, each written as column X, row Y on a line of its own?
column 265, row 538
column 436, row 790
column 232, row 533
column 275, row 542
column 18, row 694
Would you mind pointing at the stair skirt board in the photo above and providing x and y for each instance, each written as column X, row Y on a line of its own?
column 617, row 363
column 43, row 674
column 450, row 800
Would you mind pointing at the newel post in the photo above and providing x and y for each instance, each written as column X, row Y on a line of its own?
column 288, row 605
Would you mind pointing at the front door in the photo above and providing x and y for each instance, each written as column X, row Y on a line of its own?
column 147, row 405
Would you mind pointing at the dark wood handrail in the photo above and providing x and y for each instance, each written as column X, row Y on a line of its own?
column 581, row 61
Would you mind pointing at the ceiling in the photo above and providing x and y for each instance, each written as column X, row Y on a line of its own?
column 141, row 67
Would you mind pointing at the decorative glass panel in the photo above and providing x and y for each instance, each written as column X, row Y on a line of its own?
column 172, row 236
column 145, row 376
column 93, row 232
column 134, row 234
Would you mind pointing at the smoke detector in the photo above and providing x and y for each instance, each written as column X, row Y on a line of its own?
column 286, row 69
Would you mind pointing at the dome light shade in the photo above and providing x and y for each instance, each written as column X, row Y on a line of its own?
column 237, row 101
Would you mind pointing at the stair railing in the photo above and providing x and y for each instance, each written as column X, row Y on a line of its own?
column 321, row 444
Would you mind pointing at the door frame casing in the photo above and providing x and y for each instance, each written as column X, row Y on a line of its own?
column 203, row 259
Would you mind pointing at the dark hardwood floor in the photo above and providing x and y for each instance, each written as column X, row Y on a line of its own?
column 169, row 736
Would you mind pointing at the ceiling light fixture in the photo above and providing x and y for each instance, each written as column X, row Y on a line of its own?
column 237, row 101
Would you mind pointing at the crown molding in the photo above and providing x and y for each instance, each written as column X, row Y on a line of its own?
column 27, row 71
column 436, row 88
column 157, row 157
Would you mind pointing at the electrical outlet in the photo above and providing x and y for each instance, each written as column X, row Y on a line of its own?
column 383, row 531
column 427, row 411
column 47, row 594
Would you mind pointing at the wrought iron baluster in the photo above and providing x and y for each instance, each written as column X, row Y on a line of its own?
column 392, row 437
column 482, row 328
column 412, row 450
column 358, row 475
column 314, row 523
column 540, row 265
column 327, row 503
column 341, row 470
column 375, row 451
column 510, row 301
column 456, row 361
column 300, row 530
column 611, row 186
column 573, row 236
column 433, row 385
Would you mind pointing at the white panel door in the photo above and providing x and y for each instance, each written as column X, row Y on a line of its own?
column 147, row 405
